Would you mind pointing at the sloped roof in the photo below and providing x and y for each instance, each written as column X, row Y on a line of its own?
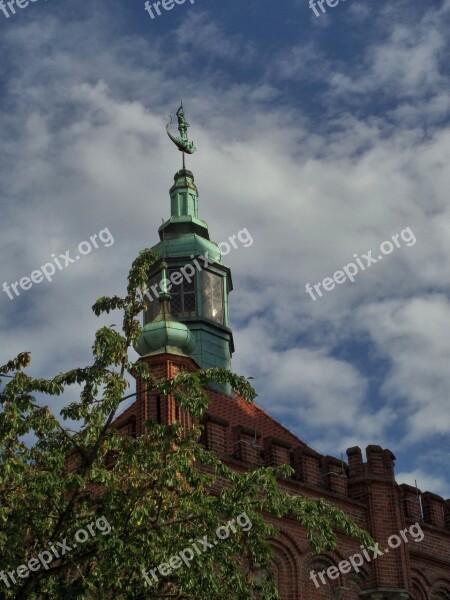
column 236, row 411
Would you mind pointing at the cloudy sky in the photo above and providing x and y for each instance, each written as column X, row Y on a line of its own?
column 323, row 136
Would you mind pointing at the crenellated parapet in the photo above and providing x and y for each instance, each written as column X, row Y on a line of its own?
column 334, row 475
column 412, row 504
column 433, row 509
column 276, row 451
column 306, row 463
column 425, row 507
column 380, row 463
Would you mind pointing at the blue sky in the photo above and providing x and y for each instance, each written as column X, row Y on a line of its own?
column 323, row 136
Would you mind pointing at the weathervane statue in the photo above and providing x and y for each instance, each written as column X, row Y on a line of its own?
column 182, row 142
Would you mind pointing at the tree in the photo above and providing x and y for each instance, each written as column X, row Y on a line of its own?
column 134, row 504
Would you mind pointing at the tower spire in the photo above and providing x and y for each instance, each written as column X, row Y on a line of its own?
column 187, row 307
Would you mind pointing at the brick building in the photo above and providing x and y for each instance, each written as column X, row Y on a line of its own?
column 186, row 327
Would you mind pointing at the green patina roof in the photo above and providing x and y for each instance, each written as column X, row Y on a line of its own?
column 186, row 245
column 165, row 332
column 184, row 234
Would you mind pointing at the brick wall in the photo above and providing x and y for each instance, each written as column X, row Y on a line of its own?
column 244, row 435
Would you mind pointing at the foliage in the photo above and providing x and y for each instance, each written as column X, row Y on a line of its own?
column 154, row 490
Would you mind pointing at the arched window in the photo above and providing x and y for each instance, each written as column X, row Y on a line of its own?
column 182, row 292
column 212, row 296
column 182, row 303
column 284, row 569
column 318, row 586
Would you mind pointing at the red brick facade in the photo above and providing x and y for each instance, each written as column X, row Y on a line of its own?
column 244, row 435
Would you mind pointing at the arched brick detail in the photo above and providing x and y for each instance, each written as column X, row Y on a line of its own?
column 355, row 583
column 418, row 591
column 310, row 591
column 359, row 578
column 286, row 563
column 345, row 586
column 420, row 585
column 352, row 589
column 440, row 591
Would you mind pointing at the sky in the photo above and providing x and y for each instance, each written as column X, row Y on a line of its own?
column 324, row 136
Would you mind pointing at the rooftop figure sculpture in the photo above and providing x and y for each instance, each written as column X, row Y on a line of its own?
column 181, row 142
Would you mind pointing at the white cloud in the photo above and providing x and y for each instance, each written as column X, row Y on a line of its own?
column 415, row 335
column 85, row 148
